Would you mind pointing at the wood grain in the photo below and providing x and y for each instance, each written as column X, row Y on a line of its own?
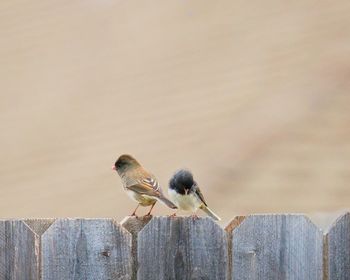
column 338, row 239
column 277, row 247
column 39, row 226
column 134, row 225
column 19, row 251
column 86, row 249
column 182, row 248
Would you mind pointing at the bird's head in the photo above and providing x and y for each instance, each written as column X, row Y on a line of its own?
column 182, row 181
column 125, row 162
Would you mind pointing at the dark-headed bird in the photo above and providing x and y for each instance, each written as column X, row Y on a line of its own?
column 186, row 195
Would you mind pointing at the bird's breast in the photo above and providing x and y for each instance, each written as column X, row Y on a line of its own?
column 187, row 202
column 144, row 200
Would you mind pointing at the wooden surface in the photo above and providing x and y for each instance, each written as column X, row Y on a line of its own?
column 252, row 247
column 19, row 254
column 338, row 240
column 235, row 222
column 39, row 226
column 134, row 225
column 86, row 249
column 277, row 247
column 182, row 248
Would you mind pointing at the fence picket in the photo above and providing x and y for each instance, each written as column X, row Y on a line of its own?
column 86, row 249
column 338, row 239
column 182, row 248
column 19, row 254
column 134, row 225
column 277, row 247
column 274, row 246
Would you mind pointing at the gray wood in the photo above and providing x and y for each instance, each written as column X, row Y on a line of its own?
column 182, row 248
column 134, row 225
column 338, row 240
column 277, row 247
column 19, row 251
column 86, row 249
column 39, row 226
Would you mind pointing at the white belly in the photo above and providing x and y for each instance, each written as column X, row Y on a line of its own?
column 144, row 200
column 188, row 202
column 133, row 195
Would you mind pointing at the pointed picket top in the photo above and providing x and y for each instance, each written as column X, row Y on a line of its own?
column 86, row 249
column 235, row 222
column 182, row 248
column 284, row 246
column 19, row 251
column 39, row 226
column 134, row 225
column 338, row 248
column 325, row 220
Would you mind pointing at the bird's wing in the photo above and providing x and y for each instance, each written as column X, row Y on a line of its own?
column 152, row 182
column 148, row 186
column 199, row 194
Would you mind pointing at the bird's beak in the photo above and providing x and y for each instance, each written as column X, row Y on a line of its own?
column 186, row 191
column 113, row 167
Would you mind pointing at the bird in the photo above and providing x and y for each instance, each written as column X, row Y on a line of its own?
column 186, row 195
column 141, row 185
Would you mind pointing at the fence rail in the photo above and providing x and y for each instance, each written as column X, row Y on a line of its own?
column 276, row 246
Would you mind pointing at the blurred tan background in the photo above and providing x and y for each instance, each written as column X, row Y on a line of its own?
column 252, row 96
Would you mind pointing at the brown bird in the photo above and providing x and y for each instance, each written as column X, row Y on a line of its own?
column 139, row 184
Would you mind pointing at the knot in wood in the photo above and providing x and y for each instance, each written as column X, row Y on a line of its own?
column 106, row 253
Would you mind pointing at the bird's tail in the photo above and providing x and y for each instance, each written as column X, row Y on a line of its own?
column 167, row 202
column 210, row 213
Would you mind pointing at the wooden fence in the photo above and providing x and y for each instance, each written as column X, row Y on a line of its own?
column 254, row 247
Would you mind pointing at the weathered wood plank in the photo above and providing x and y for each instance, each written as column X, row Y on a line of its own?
column 19, row 251
column 134, row 225
column 86, row 249
column 182, row 248
column 277, row 247
column 338, row 241
column 39, row 226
